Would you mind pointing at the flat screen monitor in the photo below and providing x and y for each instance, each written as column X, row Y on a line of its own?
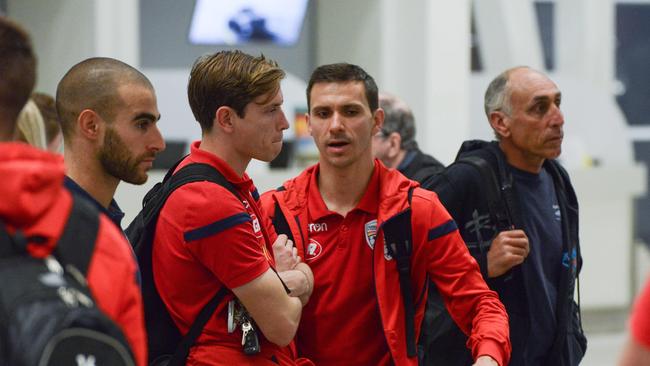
column 237, row 22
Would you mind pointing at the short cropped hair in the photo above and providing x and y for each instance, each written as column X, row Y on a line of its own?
column 93, row 84
column 232, row 79
column 398, row 117
column 343, row 72
column 17, row 71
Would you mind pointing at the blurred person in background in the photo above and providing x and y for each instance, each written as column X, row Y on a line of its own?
column 637, row 349
column 31, row 128
column 395, row 143
column 47, row 106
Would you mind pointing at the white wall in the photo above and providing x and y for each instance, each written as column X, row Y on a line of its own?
column 65, row 32
column 417, row 50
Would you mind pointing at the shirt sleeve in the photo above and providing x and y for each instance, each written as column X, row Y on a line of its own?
column 219, row 233
column 472, row 305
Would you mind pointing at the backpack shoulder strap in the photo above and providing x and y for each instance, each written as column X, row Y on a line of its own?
column 399, row 243
column 77, row 243
column 195, row 172
column 498, row 209
column 280, row 222
column 190, row 173
column 183, row 349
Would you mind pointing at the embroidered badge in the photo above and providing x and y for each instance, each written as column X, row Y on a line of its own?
column 371, row 233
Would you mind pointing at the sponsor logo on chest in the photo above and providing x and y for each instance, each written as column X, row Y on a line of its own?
column 314, row 249
column 317, row 227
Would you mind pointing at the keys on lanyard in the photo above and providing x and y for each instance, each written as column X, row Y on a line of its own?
column 238, row 316
column 249, row 341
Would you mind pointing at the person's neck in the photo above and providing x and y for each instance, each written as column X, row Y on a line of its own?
column 343, row 188
column 224, row 151
column 520, row 159
column 397, row 160
column 88, row 173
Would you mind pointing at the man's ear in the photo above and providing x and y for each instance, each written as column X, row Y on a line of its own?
column 395, row 144
column 378, row 119
column 224, row 119
column 89, row 124
column 308, row 121
column 500, row 123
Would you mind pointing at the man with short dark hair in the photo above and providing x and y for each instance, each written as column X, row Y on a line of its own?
column 209, row 238
column 35, row 203
column 108, row 114
column 338, row 212
column 521, row 225
column 17, row 73
column 395, row 143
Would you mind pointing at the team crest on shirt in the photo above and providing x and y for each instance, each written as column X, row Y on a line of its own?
column 314, row 249
column 371, row 233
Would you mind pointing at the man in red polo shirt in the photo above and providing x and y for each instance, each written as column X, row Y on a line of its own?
column 207, row 238
column 336, row 210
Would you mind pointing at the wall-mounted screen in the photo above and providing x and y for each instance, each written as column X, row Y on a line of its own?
column 236, row 22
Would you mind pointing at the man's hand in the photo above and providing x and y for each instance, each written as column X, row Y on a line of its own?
column 508, row 249
column 285, row 254
column 300, row 282
column 485, row 361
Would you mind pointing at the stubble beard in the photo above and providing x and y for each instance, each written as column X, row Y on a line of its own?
column 117, row 160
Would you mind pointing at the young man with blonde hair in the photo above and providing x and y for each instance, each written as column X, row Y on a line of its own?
column 208, row 238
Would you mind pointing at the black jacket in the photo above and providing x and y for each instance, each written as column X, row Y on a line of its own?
column 419, row 166
column 462, row 191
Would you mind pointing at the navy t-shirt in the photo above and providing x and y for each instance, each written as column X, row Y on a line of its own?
column 541, row 218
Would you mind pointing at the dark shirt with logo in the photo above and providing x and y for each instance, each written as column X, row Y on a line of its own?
column 542, row 223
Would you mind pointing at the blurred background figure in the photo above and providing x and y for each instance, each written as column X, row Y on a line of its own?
column 30, row 126
column 47, row 107
column 395, row 143
column 637, row 349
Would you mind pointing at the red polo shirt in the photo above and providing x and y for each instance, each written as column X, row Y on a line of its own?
column 342, row 317
column 205, row 239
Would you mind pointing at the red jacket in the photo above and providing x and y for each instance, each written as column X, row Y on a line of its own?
column 444, row 258
column 33, row 199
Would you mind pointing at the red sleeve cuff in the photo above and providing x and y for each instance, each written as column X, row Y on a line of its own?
column 489, row 347
column 255, row 270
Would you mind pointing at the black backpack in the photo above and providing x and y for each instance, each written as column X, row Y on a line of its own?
column 500, row 199
column 166, row 344
column 47, row 314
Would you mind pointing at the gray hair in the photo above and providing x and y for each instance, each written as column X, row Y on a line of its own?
column 398, row 117
column 497, row 95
